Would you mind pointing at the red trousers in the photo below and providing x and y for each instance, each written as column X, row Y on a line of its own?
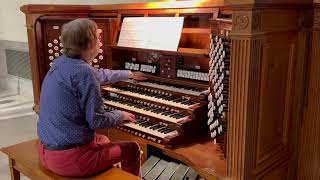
column 92, row 158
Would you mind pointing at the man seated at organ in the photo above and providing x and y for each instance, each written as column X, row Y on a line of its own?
column 72, row 108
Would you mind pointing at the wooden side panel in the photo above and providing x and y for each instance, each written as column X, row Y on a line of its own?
column 275, row 93
column 243, row 106
column 264, row 93
column 32, row 39
column 309, row 149
column 278, row 174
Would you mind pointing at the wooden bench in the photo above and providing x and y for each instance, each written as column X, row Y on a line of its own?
column 23, row 158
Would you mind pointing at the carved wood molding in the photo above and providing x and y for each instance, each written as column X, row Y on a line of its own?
column 306, row 20
column 241, row 22
column 31, row 20
column 243, row 114
column 245, row 22
column 316, row 19
column 257, row 21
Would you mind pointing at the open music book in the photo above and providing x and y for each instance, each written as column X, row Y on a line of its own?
column 160, row 33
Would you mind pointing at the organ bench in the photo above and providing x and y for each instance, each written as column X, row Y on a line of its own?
column 23, row 158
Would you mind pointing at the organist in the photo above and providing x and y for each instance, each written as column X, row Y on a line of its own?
column 72, row 108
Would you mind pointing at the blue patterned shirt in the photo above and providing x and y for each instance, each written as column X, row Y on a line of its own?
column 71, row 107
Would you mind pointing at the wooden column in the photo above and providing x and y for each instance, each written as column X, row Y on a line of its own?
column 266, row 90
column 246, row 61
column 33, row 51
column 299, row 84
column 309, row 150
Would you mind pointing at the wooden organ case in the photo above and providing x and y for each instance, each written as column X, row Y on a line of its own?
column 227, row 101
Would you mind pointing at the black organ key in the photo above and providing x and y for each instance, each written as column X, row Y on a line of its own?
column 161, row 129
column 188, row 102
column 167, row 130
column 178, row 100
column 142, row 123
column 139, row 121
column 147, row 108
column 164, row 129
column 157, row 127
column 145, row 124
column 177, row 116
column 166, row 112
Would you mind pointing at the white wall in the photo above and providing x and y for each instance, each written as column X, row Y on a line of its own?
column 1, row 23
column 13, row 34
column 12, row 20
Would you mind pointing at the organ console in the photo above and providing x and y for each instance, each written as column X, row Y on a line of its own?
column 226, row 103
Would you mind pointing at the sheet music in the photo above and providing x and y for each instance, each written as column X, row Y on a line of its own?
column 161, row 33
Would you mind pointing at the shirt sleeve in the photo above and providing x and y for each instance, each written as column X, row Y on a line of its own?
column 92, row 103
column 107, row 76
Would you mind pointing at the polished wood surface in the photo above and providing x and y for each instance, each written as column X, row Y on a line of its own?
column 36, row 8
column 203, row 155
column 199, row 153
column 24, row 158
column 260, row 118
column 309, row 147
column 269, row 45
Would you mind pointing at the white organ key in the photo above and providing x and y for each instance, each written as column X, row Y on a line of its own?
column 50, row 51
column 50, row 45
column 100, row 51
column 100, row 57
column 150, row 131
column 56, row 54
column 95, row 60
column 141, row 111
column 170, row 88
column 61, row 45
column 150, row 98
column 51, row 58
column 56, row 48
